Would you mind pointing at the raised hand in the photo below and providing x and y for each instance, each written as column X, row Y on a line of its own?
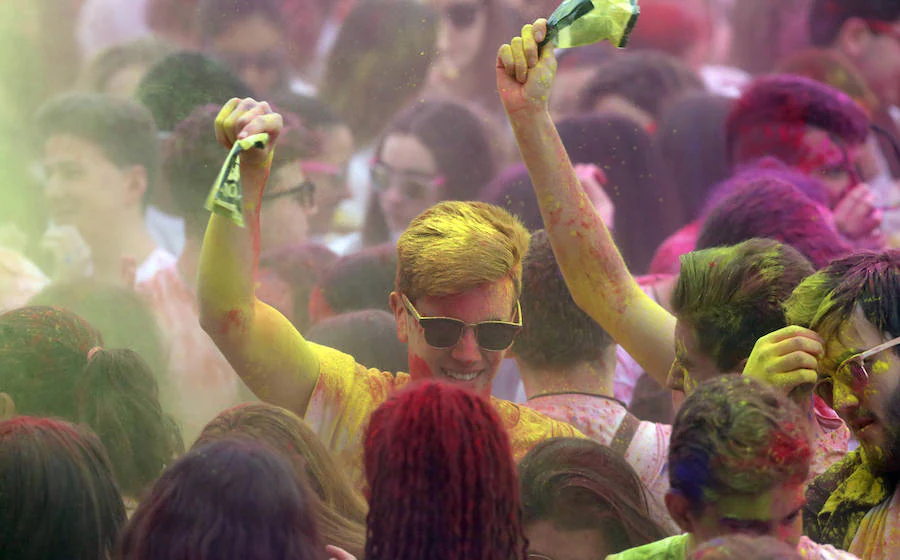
column 240, row 118
column 525, row 74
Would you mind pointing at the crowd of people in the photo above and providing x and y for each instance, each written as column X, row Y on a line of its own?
column 487, row 300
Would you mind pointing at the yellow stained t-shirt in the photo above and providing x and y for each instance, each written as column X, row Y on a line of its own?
column 347, row 393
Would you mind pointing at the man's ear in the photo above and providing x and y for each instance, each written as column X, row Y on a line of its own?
column 853, row 38
column 399, row 310
column 7, row 407
column 680, row 510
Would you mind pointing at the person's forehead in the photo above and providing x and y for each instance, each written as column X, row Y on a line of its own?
column 67, row 147
column 854, row 335
column 485, row 302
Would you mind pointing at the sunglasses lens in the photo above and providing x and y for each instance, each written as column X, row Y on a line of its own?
column 858, row 375
column 441, row 333
column 462, row 15
column 496, row 336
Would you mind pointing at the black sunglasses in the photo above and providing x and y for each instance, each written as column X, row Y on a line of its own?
column 305, row 193
column 445, row 332
column 853, row 370
column 463, row 14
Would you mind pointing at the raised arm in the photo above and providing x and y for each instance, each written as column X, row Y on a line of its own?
column 594, row 270
column 261, row 345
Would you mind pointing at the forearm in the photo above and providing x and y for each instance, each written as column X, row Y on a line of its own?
column 595, row 272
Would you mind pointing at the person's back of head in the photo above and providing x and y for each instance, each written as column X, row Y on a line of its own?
column 556, row 334
column 369, row 335
column 379, row 61
column 229, row 499
column 691, row 143
column 512, row 190
column 56, row 367
column 647, row 208
column 728, row 297
column 117, row 69
column 745, row 547
column 122, row 317
column 646, row 80
column 58, row 497
column 341, row 509
column 121, row 129
column 183, row 81
column 362, row 280
column 570, row 485
column 430, row 450
column 766, row 204
column 774, row 113
column 454, row 247
column 736, row 438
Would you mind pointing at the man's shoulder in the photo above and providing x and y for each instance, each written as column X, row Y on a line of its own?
column 671, row 548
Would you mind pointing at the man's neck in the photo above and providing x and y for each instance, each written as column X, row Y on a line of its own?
column 128, row 239
column 593, row 377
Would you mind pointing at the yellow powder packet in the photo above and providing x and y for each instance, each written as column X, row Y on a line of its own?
column 225, row 197
column 582, row 22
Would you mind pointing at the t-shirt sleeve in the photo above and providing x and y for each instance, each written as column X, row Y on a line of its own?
column 345, row 395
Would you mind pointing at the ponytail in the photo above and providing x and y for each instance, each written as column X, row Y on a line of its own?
column 118, row 397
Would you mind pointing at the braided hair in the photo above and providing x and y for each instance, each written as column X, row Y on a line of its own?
column 442, row 479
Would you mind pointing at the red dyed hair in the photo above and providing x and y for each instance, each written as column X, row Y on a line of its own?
column 670, row 26
column 442, row 479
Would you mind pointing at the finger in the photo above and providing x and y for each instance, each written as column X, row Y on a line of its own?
column 799, row 344
column 270, row 124
column 796, row 361
column 505, row 58
column 518, row 51
column 791, row 331
column 229, row 126
column 246, row 118
column 530, row 45
column 540, row 29
column 223, row 115
column 790, row 381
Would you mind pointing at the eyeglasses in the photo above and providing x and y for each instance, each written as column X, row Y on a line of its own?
column 304, row 194
column 533, row 556
column 413, row 185
column 445, row 332
column 463, row 14
column 853, row 369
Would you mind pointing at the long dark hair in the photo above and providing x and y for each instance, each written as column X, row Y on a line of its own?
column 58, row 498
column 648, row 209
column 580, row 484
column 230, row 499
column 442, row 479
column 461, row 145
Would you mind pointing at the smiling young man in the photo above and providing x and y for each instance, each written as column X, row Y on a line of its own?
column 738, row 462
column 853, row 306
column 456, row 306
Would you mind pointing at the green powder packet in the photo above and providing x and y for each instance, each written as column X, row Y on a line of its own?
column 225, row 197
column 582, row 22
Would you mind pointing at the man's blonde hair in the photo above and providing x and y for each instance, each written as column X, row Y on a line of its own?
column 455, row 246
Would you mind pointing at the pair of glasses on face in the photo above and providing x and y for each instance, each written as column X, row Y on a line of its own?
column 445, row 332
column 462, row 15
column 413, row 185
column 304, row 194
column 853, row 370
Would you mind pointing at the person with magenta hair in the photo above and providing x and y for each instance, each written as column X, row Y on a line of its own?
column 442, row 482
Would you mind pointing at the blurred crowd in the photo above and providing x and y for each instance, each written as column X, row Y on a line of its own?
column 648, row 298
